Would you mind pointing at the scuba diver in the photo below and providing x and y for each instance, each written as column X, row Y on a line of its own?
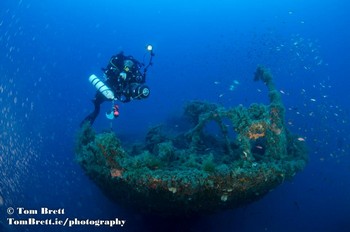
column 124, row 82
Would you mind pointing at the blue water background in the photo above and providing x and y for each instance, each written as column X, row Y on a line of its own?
column 49, row 48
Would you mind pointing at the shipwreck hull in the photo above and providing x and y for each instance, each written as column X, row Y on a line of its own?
column 193, row 172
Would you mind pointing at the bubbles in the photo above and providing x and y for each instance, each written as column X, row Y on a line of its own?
column 17, row 147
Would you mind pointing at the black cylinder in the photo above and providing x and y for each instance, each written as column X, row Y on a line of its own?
column 138, row 91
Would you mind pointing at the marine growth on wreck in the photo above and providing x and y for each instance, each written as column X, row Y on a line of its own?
column 195, row 171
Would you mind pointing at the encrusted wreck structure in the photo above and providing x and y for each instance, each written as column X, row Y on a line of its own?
column 198, row 171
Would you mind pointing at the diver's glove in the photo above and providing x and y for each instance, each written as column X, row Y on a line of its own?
column 122, row 75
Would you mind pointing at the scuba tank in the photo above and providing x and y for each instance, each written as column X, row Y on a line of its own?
column 100, row 86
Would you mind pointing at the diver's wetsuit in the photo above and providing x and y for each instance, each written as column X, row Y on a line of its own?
column 124, row 89
column 99, row 99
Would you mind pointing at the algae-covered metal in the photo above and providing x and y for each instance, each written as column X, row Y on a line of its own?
column 196, row 171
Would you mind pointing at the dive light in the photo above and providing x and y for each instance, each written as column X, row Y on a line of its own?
column 149, row 48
